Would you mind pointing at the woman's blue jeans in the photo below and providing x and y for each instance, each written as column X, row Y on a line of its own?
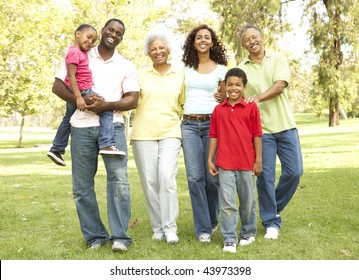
column 84, row 156
column 273, row 199
column 203, row 187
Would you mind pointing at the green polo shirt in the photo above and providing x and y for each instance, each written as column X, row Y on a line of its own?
column 276, row 114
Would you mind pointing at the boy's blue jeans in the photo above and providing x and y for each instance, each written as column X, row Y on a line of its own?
column 235, row 183
column 106, row 131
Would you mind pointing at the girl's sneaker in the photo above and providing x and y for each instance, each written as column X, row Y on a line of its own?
column 56, row 157
column 111, row 151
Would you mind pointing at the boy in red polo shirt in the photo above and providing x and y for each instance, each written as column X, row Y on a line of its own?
column 236, row 141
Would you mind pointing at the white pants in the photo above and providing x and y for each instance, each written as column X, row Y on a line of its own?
column 157, row 165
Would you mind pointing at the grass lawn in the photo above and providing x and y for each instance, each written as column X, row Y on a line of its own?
column 38, row 219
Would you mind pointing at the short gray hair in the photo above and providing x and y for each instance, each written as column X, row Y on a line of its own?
column 151, row 37
column 245, row 28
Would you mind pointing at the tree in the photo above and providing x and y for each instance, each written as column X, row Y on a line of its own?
column 299, row 87
column 25, row 45
column 334, row 36
column 269, row 15
column 34, row 39
column 266, row 14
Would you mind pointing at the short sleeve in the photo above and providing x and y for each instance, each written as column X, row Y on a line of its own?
column 130, row 83
column 61, row 74
column 222, row 70
column 73, row 56
column 281, row 69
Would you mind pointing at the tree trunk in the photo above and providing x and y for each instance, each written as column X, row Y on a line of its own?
column 20, row 145
column 333, row 111
column 337, row 58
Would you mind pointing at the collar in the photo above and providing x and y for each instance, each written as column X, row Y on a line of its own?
column 267, row 54
column 226, row 103
column 115, row 57
column 150, row 68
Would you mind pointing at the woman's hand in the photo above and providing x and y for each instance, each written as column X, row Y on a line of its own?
column 218, row 97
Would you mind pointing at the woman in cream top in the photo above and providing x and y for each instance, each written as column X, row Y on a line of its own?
column 156, row 136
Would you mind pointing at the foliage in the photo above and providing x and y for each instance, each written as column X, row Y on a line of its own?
column 266, row 14
column 27, row 53
column 299, row 87
column 334, row 36
column 34, row 36
column 185, row 14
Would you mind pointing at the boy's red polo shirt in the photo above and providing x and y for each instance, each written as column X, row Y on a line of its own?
column 235, row 127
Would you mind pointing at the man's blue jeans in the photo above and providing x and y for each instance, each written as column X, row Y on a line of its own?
column 235, row 183
column 203, row 187
column 84, row 156
column 106, row 131
column 273, row 199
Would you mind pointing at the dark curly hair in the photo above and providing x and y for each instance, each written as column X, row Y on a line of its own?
column 217, row 52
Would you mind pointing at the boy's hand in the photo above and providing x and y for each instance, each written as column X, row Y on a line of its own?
column 257, row 169
column 212, row 168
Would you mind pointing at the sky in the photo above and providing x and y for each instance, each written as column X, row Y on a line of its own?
column 296, row 41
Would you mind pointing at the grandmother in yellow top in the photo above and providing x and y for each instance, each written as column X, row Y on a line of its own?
column 156, row 136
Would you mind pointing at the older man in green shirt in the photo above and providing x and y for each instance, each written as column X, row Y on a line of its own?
column 268, row 77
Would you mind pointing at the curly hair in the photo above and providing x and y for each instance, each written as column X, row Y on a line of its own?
column 153, row 36
column 217, row 52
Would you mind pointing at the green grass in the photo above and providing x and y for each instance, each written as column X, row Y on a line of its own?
column 38, row 218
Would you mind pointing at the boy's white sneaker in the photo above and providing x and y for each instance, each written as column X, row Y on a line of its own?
column 230, row 247
column 246, row 240
column 204, row 238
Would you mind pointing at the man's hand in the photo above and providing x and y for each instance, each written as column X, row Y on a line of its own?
column 97, row 105
column 252, row 99
column 90, row 98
